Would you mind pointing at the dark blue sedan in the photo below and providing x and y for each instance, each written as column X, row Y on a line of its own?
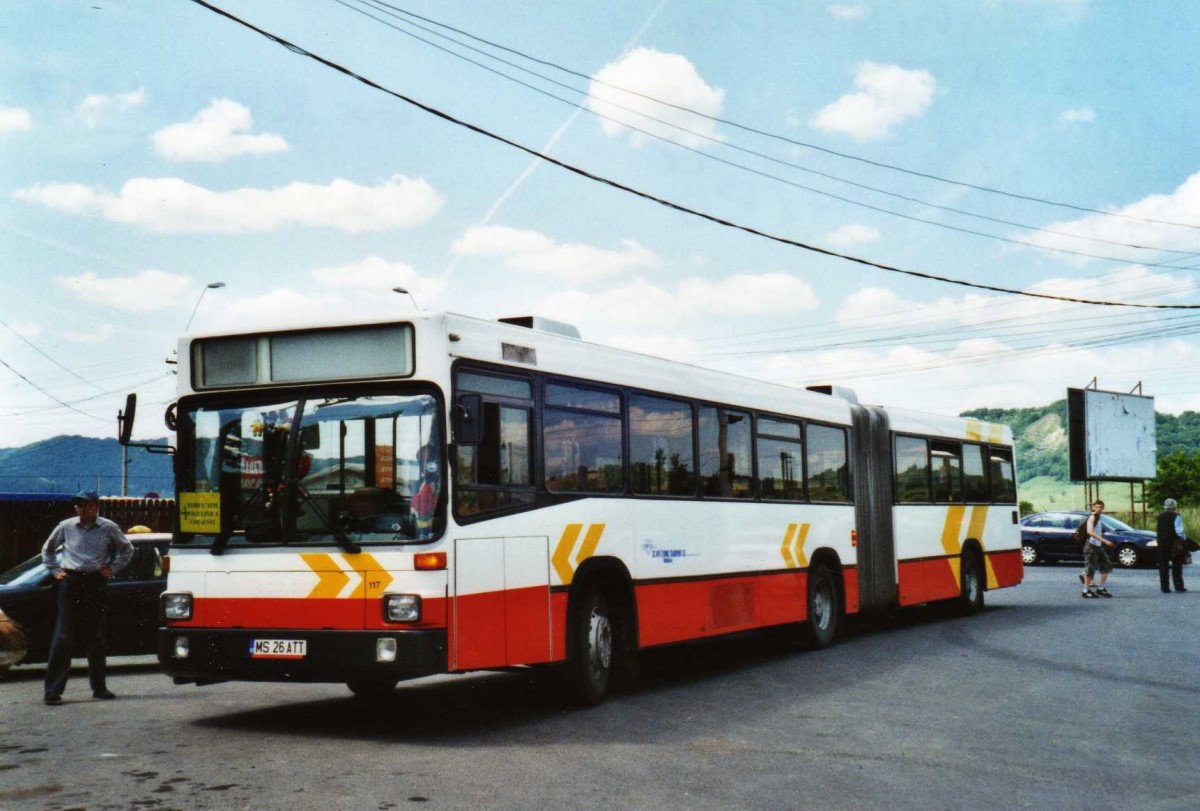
column 1049, row 536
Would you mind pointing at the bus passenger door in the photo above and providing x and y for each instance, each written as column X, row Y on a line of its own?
column 501, row 602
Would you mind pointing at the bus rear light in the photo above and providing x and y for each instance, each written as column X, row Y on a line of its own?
column 176, row 606
column 429, row 561
column 401, row 608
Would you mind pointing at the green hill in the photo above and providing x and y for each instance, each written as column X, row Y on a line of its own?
column 68, row 464
column 1041, row 436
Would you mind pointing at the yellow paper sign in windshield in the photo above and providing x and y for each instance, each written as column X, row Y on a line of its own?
column 200, row 512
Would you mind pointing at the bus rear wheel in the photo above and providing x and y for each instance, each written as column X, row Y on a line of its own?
column 820, row 626
column 972, row 583
column 590, row 664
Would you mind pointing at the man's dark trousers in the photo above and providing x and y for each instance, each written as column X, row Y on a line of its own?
column 81, row 604
column 1173, row 563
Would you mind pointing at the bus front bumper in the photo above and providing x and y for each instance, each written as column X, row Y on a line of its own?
column 207, row 656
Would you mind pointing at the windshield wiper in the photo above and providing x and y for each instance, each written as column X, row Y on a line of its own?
column 331, row 523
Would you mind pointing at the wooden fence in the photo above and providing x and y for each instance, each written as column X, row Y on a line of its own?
column 26, row 520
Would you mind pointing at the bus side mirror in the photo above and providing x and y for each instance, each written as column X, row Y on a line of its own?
column 125, row 419
column 468, row 419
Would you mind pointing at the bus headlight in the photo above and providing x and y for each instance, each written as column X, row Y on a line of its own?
column 402, row 608
column 176, row 606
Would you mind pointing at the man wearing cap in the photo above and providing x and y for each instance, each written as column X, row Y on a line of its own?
column 93, row 548
column 1172, row 546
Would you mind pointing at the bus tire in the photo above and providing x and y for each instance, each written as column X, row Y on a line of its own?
column 590, row 665
column 972, row 581
column 368, row 689
column 820, row 625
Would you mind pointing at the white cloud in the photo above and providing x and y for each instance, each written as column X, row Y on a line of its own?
column 1085, row 115
column 646, row 304
column 852, row 234
column 887, row 95
column 174, row 206
column 143, row 292
column 380, row 276
column 534, row 252
column 15, row 119
column 846, row 11
column 217, row 133
column 95, row 107
column 1180, row 206
column 670, row 78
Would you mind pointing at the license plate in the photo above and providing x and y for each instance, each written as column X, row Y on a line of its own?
column 278, row 648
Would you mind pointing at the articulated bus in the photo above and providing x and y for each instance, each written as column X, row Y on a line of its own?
column 367, row 503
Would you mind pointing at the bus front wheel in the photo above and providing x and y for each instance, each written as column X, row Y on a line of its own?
column 590, row 666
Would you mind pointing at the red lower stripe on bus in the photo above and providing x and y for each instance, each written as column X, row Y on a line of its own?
column 923, row 581
column 1007, row 567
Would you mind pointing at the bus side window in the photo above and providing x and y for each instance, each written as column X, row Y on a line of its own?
column 725, row 457
column 497, row 473
column 581, row 440
column 828, row 464
column 780, row 460
column 1004, row 485
column 912, row 470
column 947, row 471
column 660, row 446
column 975, row 474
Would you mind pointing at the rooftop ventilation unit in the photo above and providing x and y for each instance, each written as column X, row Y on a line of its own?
column 842, row 392
column 542, row 324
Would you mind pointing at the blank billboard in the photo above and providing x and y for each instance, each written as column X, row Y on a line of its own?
column 1112, row 436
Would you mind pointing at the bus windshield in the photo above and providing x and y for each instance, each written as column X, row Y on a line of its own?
column 332, row 470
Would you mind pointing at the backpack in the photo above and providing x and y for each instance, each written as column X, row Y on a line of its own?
column 1080, row 535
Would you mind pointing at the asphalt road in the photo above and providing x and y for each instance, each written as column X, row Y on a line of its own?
column 1043, row 701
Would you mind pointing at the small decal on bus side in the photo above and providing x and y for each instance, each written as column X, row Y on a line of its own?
column 665, row 555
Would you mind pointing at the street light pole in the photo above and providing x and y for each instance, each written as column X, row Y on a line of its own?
column 404, row 292
column 209, row 286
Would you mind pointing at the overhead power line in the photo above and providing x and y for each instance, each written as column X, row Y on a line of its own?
column 373, row 4
column 35, row 348
column 299, row 50
column 48, row 394
column 784, row 138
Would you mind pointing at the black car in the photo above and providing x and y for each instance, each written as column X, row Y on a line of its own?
column 1050, row 536
column 29, row 597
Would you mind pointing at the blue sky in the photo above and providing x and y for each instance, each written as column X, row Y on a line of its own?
column 150, row 149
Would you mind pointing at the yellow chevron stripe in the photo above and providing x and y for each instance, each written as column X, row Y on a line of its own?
column 975, row 529
column 364, row 563
column 330, row 577
column 561, row 559
column 786, row 549
column 974, row 429
column 950, row 538
column 590, row 542
column 801, row 537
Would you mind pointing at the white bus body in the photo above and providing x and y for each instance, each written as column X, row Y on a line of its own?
column 367, row 503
